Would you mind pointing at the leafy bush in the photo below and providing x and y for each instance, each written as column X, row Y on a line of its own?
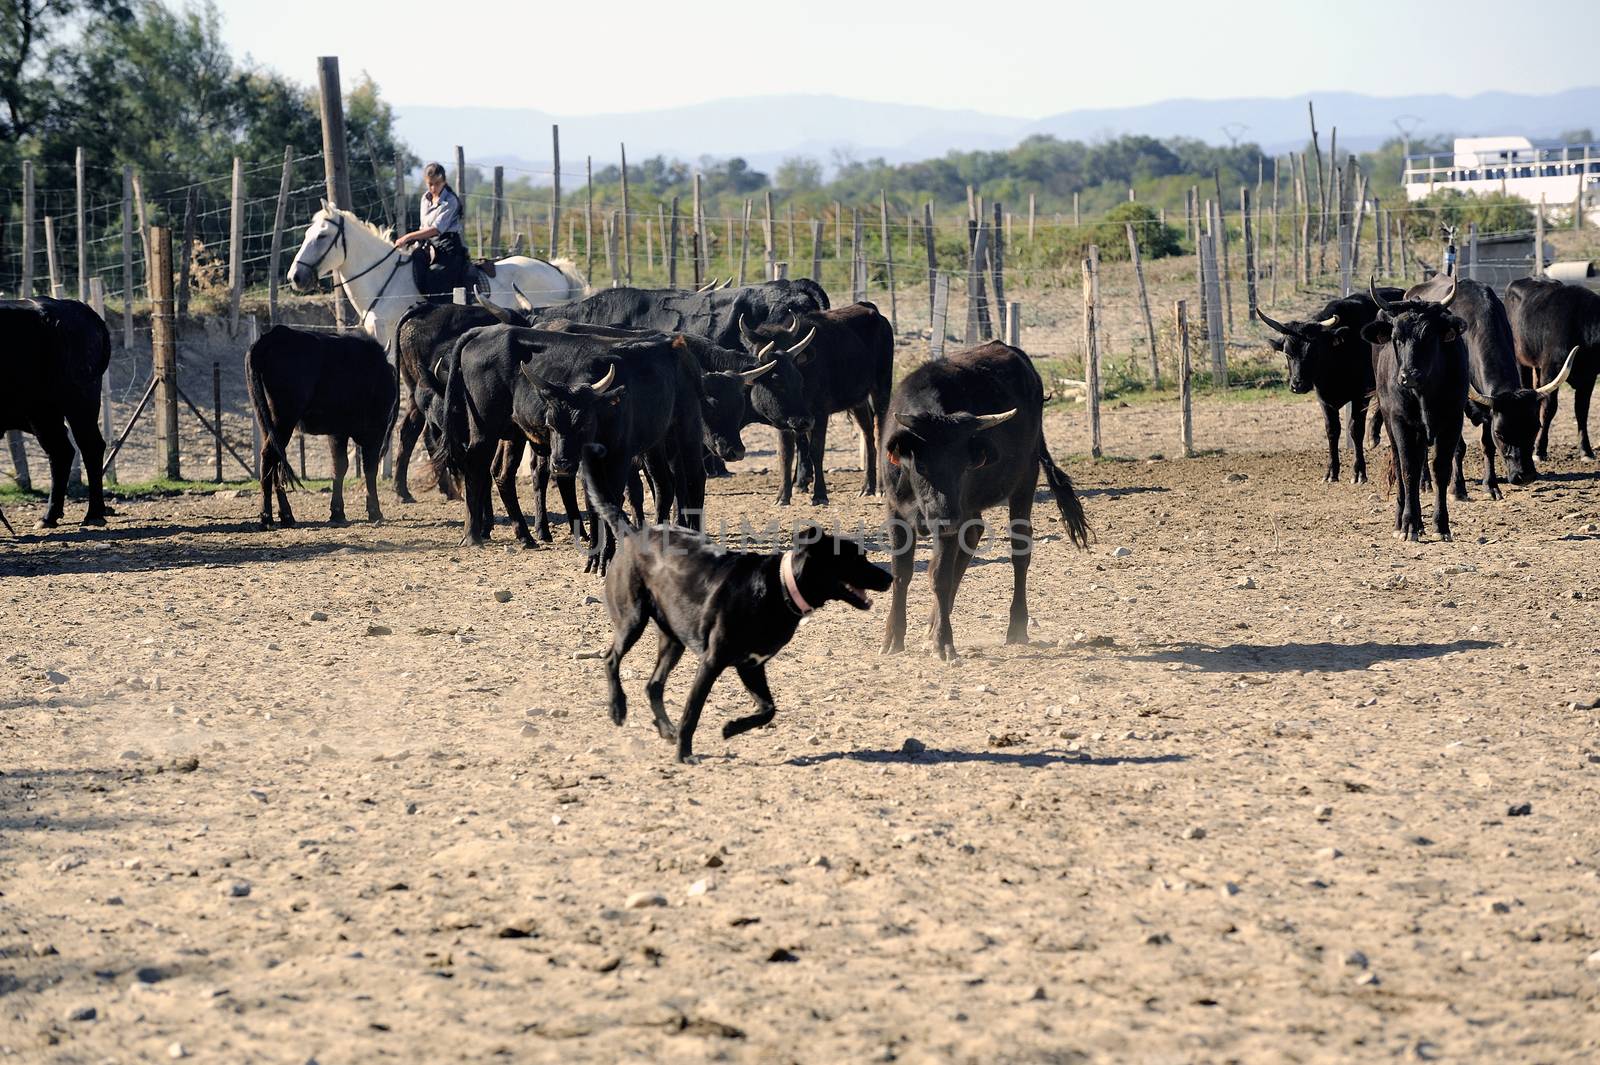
column 1155, row 239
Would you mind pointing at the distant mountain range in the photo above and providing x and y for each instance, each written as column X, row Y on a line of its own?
column 765, row 130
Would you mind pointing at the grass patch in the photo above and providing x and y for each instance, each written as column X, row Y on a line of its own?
column 11, row 492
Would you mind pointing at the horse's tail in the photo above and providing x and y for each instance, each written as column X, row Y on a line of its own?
column 258, row 402
column 577, row 285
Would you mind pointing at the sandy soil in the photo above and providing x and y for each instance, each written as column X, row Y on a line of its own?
column 1255, row 793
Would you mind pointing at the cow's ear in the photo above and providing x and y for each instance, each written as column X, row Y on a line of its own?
column 1453, row 328
column 527, row 349
column 614, row 394
column 1276, row 342
column 1340, row 334
column 897, row 446
column 980, row 452
column 1379, row 332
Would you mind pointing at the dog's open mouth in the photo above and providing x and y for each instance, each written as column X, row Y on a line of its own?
column 855, row 596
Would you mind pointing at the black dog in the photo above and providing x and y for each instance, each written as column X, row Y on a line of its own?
column 734, row 608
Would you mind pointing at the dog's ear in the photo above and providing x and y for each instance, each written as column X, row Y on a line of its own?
column 808, row 534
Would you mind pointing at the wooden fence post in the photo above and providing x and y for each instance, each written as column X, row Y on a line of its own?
column 27, row 228
column 143, row 227
column 1091, row 344
column 939, row 316
column 588, row 219
column 402, row 211
column 1031, row 206
column 997, row 256
column 816, row 247
column 254, row 328
column 1538, row 239
column 164, row 351
column 97, row 301
column 744, row 240
column 19, row 459
column 1014, row 324
column 127, row 258
column 933, row 264
column 82, row 234
column 555, row 192
column 1077, row 219
column 497, row 212
column 1144, row 306
column 1219, row 358
column 672, row 248
column 54, row 285
column 1274, row 294
column 1220, row 232
column 1472, row 251
column 627, row 241
column 236, row 247
column 858, row 257
column 888, row 259
column 335, row 165
column 766, row 233
column 1185, row 406
column 278, row 218
column 1249, row 254
column 838, row 230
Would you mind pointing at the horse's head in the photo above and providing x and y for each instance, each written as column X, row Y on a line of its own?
column 323, row 250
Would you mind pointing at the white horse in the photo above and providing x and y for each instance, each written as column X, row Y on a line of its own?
column 377, row 277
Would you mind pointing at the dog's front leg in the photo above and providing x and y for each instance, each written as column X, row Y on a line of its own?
column 754, row 675
column 704, row 678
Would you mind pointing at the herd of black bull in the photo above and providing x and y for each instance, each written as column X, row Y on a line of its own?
column 664, row 382
column 1439, row 350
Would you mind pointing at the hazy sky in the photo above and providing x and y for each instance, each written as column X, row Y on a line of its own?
column 1027, row 59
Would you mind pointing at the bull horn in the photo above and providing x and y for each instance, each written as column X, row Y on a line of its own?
column 1383, row 305
column 749, row 338
column 1450, row 297
column 728, row 283
column 794, row 325
column 1328, row 323
column 501, row 315
column 798, row 348
column 989, row 421
column 1271, row 324
column 766, row 349
column 1545, row 390
column 1478, row 397
column 525, row 302
column 605, row 382
column 907, row 426
column 708, row 286
column 749, row 377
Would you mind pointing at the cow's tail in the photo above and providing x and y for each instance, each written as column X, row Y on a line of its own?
column 604, row 505
column 1066, row 499
column 6, row 523
column 286, row 477
column 1391, row 473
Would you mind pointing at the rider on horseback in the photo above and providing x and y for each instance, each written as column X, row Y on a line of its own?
column 442, row 264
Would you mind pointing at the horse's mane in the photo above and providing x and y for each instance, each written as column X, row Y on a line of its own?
column 384, row 233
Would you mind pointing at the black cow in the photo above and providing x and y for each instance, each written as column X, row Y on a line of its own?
column 1557, row 330
column 341, row 387
column 424, row 339
column 846, row 358
column 967, row 434
column 1506, row 413
column 711, row 314
column 56, row 352
column 1326, row 353
column 1422, row 392
column 634, row 397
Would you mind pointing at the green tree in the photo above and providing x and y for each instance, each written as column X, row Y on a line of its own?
column 798, row 173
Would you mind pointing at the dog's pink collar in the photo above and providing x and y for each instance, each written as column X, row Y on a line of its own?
column 790, row 585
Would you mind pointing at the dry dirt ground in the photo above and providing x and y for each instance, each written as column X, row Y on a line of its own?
column 1268, row 787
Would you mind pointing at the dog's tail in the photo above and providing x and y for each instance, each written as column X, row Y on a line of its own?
column 1066, row 499
column 258, row 402
column 603, row 504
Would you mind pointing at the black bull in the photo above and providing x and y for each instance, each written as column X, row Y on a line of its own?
column 713, row 315
column 966, row 433
column 1327, row 354
column 54, row 355
column 338, row 386
column 1557, row 331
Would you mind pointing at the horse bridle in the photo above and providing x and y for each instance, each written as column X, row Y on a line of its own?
column 344, row 246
